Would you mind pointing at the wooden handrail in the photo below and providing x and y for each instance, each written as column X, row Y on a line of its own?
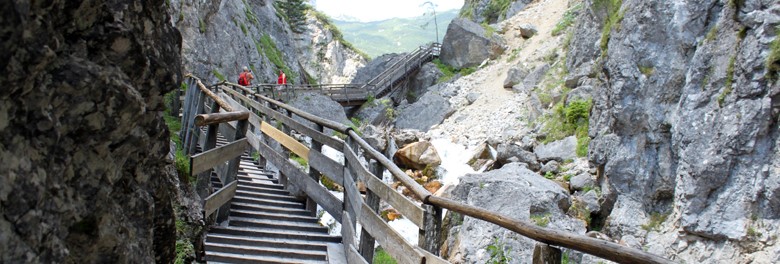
column 211, row 94
column 216, row 118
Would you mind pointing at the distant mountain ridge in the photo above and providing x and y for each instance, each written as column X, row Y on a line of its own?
column 395, row 35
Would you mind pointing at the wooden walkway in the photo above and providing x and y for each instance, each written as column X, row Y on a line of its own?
column 254, row 218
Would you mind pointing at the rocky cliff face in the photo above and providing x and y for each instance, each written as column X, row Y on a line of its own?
column 83, row 84
column 685, row 122
column 222, row 36
column 491, row 11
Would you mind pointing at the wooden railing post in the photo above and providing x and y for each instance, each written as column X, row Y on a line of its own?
column 545, row 254
column 430, row 233
column 311, row 205
column 372, row 200
column 203, row 182
column 195, row 133
column 232, row 171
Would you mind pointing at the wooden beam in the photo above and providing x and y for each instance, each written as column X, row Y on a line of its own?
column 545, row 254
column 393, row 243
column 213, row 96
column 220, row 197
column 589, row 245
column 353, row 256
column 330, row 168
column 430, row 258
column 215, row 118
column 287, row 141
column 217, row 156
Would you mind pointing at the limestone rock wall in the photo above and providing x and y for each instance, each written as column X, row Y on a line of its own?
column 685, row 123
column 82, row 138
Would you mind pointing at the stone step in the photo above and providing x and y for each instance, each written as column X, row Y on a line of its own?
column 267, row 233
column 276, row 224
column 273, row 216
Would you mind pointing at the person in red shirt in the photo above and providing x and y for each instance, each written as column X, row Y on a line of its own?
column 281, row 82
column 245, row 78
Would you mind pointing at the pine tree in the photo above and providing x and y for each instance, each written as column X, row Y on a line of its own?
column 295, row 12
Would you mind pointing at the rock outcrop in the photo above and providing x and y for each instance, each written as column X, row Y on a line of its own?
column 430, row 110
column 467, row 44
column 491, row 11
column 323, row 56
column 83, row 86
column 685, row 123
column 541, row 200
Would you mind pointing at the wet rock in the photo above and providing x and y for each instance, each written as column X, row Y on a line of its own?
column 483, row 158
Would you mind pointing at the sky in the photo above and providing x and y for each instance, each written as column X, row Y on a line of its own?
column 374, row 10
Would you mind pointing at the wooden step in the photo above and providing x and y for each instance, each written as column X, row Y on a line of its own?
column 219, row 257
column 256, row 189
column 274, row 233
column 267, row 202
column 276, row 224
column 273, row 216
column 267, row 242
column 266, row 251
column 268, row 196
column 260, row 183
column 236, row 205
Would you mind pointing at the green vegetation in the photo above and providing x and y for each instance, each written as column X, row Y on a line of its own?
column 329, row 25
column 614, row 17
column 541, row 219
column 449, row 72
column 565, row 257
column 729, row 81
column 356, row 124
column 655, row 221
column 184, row 251
column 569, row 120
column 773, row 60
column 496, row 10
column 579, row 210
column 267, row 46
column 299, row 160
column 329, row 184
column 250, row 16
column 498, row 252
column 712, row 33
column 513, row 55
column 219, row 75
column 243, row 29
column 181, row 161
column 549, row 175
column 751, row 232
column 567, row 177
column 489, row 30
column 381, row 257
column 567, row 20
column 646, row 70
column 294, row 12
column 201, row 26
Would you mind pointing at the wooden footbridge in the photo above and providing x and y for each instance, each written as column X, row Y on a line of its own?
column 357, row 94
column 262, row 207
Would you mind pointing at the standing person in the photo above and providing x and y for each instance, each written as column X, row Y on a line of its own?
column 281, row 82
column 245, row 78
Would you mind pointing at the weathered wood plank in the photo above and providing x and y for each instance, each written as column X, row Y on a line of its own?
column 393, row 243
column 354, row 257
column 353, row 201
column 347, row 229
column 214, row 118
column 217, row 156
column 406, row 207
column 367, row 242
column 430, row 258
column 220, row 197
column 327, row 166
column 301, row 128
column 430, row 232
column 287, row 141
column 545, row 254
column 313, row 189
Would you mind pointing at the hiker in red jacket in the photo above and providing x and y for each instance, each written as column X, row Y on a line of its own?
column 281, row 82
column 245, row 78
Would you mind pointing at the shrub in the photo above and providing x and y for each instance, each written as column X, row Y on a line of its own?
column 541, row 219
column 498, row 252
column 655, row 221
column 381, row 257
column 567, row 20
column 614, row 17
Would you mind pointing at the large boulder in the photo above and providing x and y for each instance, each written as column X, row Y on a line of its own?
column 319, row 105
column 430, row 110
column 508, row 151
column 467, row 44
column 515, row 75
column 83, row 142
column 516, row 192
column 426, row 77
column 375, row 67
column 418, row 155
column 532, row 79
column 558, row 150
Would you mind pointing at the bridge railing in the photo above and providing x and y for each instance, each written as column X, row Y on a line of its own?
column 381, row 84
column 362, row 163
column 348, row 94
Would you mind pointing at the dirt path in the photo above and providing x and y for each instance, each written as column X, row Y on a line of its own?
column 500, row 113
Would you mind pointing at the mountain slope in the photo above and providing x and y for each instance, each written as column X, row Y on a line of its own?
column 395, row 35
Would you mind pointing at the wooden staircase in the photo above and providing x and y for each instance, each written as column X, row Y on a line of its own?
column 266, row 223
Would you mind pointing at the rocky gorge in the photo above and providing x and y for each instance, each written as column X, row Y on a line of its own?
column 652, row 124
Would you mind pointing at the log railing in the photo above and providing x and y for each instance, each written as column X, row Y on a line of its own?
column 362, row 163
